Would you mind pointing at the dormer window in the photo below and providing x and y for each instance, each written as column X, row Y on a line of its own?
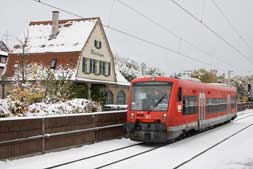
column 53, row 64
column 97, row 44
column 3, row 59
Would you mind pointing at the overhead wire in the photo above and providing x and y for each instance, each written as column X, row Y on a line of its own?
column 180, row 38
column 231, row 25
column 110, row 14
column 132, row 36
column 212, row 31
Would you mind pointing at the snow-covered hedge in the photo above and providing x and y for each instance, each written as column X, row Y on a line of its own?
column 9, row 108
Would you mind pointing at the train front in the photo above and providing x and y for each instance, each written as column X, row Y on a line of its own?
column 148, row 110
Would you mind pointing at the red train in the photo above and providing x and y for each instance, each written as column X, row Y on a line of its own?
column 162, row 109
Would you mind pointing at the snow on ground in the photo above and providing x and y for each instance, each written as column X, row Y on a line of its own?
column 235, row 153
column 174, row 154
column 49, row 159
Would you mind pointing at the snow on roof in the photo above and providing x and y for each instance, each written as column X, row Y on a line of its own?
column 120, row 78
column 80, row 79
column 189, row 78
column 71, row 37
column 2, row 64
column 3, row 53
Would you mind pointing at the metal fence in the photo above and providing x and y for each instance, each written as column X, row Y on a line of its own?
column 243, row 106
column 22, row 136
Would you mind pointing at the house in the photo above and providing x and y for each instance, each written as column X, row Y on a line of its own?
column 3, row 59
column 78, row 44
column 3, row 56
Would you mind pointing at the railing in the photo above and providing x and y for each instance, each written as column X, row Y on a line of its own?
column 22, row 136
column 243, row 106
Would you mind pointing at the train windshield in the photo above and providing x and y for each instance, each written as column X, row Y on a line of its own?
column 147, row 96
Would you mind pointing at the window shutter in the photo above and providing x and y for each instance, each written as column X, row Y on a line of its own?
column 109, row 69
column 100, row 67
column 104, row 68
column 84, row 65
column 91, row 65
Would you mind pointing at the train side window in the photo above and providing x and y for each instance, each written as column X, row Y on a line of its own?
column 190, row 105
column 179, row 94
column 216, row 105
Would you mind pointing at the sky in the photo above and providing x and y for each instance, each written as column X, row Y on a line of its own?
column 15, row 16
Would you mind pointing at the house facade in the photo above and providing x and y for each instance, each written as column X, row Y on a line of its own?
column 77, row 44
column 3, row 60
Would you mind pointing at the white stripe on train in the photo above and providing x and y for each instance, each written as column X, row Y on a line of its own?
column 207, row 123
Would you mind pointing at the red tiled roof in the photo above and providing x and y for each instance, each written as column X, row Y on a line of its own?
column 65, row 59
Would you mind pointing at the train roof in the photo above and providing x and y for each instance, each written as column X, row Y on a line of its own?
column 187, row 83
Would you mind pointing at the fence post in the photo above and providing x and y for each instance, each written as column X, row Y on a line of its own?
column 43, row 135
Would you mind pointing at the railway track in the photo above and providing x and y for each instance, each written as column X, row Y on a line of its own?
column 187, row 161
column 152, row 149
column 129, row 157
column 215, row 145
column 92, row 156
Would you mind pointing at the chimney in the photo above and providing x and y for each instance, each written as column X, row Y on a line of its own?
column 55, row 24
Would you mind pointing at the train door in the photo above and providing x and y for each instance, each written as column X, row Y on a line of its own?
column 228, row 104
column 201, row 110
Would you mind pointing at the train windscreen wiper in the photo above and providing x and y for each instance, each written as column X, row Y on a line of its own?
column 159, row 101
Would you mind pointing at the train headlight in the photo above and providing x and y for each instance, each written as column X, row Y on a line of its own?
column 164, row 116
column 131, row 115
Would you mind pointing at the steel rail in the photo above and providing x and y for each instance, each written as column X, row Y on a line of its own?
column 96, row 155
column 129, row 157
column 211, row 147
column 152, row 149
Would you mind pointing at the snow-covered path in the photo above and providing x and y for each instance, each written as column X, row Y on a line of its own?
column 235, row 153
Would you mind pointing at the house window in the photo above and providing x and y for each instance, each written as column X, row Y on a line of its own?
column 53, row 64
column 97, row 44
column 97, row 67
column 3, row 59
column 107, row 69
column 121, row 97
column 91, row 65
column 109, row 97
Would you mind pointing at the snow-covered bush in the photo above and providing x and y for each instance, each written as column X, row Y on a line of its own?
column 27, row 93
column 68, row 107
column 58, row 85
column 10, row 108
